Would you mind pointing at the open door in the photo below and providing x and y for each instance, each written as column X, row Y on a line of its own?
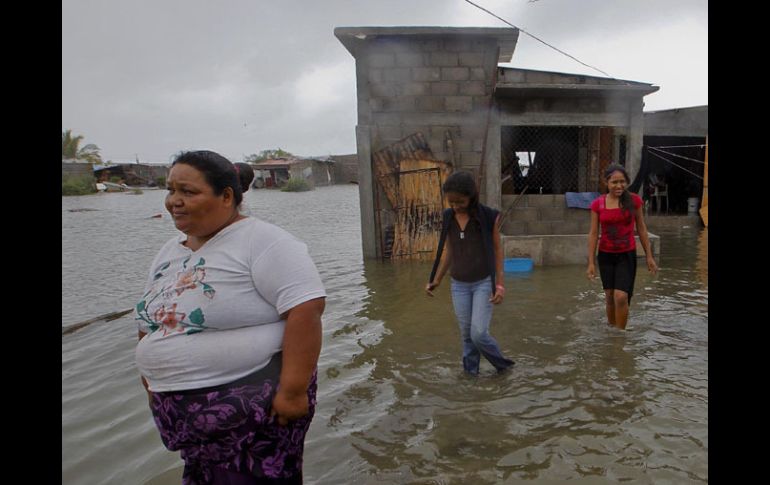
column 411, row 180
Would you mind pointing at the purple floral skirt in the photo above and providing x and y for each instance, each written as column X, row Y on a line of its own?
column 225, row 434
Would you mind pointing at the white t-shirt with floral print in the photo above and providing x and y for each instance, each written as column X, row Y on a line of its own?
column 212, row 316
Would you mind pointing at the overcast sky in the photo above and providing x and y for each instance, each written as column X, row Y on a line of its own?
column 148, row 78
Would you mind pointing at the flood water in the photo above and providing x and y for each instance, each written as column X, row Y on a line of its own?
column 584, row 402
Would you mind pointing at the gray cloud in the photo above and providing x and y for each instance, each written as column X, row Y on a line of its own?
column 151, row 78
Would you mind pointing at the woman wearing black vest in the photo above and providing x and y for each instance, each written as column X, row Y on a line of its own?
column 470, row 231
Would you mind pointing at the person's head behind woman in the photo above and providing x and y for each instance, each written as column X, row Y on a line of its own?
column 204, row 192
column 461, row 192
column 617, row 182
column 245, row 175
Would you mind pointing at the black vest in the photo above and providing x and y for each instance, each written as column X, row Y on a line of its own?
column 487, row 217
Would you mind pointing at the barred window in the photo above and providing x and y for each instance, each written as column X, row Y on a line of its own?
column 542, row 158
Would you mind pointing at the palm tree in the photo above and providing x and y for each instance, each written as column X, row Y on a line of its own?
column 70, row 148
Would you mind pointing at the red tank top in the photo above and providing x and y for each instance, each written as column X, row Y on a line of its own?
column 617, row 225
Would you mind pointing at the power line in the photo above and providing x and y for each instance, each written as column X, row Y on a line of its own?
column 537, row 39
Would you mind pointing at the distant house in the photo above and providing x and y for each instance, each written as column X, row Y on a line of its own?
column 132, row 173
column 276, row 172
column 75, row 168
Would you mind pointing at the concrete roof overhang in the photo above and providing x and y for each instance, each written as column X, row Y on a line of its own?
column 355, row 37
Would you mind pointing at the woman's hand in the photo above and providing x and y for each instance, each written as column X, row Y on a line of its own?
column 591, row 271
column 289, row 407
column 497, row 298
column 430, row 287
column 652, row 267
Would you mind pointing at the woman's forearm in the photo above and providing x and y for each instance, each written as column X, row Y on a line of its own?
column 644, row 237
column 301, row 346
column 443, row 266
column 593, row 238
column 499, row 256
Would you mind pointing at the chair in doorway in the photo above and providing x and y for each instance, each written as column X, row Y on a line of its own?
column 658, row 193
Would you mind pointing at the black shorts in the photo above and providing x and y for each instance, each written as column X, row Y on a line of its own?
column 618, row 271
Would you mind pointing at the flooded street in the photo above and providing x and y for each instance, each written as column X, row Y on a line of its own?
column 583, row 401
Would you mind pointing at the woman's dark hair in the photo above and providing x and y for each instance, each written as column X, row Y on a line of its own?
column 463, row 183
column 625, row 198
column 245, row 175
column 216, row 169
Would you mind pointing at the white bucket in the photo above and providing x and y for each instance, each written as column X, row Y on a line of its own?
column 692, row 205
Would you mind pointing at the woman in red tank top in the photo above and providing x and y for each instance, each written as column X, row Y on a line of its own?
column 617, row 212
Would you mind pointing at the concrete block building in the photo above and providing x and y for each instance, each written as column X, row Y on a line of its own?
column 528, row 136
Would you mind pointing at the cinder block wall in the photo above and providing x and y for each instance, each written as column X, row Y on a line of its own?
column 536, row 214
column 434, row 86
column 555, row 249
column 345, row 168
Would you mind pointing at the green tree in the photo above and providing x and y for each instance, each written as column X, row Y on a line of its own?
column 70, row 148
column 77, row 185
column 267, row 155
column 296, row 185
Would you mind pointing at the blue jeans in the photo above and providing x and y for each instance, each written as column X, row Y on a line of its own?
column 474, row 313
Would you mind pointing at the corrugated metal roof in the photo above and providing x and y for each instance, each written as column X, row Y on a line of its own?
column 683, row 109
column 528, row 82
column 515, row 75
column 323, row 158
column 278, row 162
column 282, row 162
column 105, row 167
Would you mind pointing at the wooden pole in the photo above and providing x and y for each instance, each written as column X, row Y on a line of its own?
column 704, row 202
column 106, row 317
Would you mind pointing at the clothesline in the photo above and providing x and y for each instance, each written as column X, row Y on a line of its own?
column 678, row 166
column 682, row 146
column 675, row 155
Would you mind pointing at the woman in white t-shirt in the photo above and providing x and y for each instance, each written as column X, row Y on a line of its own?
column 229, row 332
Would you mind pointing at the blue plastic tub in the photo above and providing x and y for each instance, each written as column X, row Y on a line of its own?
column 517, row 265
